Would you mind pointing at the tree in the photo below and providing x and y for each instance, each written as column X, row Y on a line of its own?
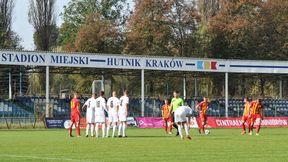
column 183, row 20
column 8, row 38
column 147, row 29
column 42, row 17
column 76, row 12
column 98, row 36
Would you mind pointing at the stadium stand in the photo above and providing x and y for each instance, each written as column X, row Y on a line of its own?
column 26, row 106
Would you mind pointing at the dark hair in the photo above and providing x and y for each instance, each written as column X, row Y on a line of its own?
column 176, row 91
column 101, row 93
column 126, row 91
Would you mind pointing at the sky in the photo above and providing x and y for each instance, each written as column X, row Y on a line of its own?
column 21, row 25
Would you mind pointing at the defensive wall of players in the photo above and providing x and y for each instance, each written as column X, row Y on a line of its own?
column 108, row 61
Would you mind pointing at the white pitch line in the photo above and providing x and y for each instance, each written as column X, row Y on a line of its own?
column 42, row 158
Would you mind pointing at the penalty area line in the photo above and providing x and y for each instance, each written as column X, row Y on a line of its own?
column 41, row 158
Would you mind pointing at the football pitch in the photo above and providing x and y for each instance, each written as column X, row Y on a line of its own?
column 144, row 145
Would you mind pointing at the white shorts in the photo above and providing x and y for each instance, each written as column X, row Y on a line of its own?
column 90, row 116
column 113, row 118
column 100, row 119
column 180, row 117
column 122, row 118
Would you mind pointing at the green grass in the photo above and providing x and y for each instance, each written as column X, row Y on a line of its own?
column 144, row 145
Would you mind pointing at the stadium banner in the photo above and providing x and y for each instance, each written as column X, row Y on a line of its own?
column 236, row 122
column 149, row 122
column 28, row 58
column 157, row 122
column 57, row 122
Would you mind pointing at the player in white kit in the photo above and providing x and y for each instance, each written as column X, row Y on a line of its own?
column 100, row 107
column 180, row 115
column 123, row 112
column 90, row 114
column 113, row 107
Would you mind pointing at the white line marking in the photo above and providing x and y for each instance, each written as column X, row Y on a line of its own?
column 42, row 158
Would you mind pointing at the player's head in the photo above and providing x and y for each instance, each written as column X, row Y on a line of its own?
column 204, row 99
column 126, row 92
column 176, row 94
column 166, row 101
column 76, row 94
column 93, row 95
column 114, row 94
column 258, row 100
column 246, row 99
column 101, row 93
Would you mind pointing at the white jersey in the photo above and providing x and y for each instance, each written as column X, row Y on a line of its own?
column 90, row 113
column 185, row 110
column 112, row 104
column 123, row 101
column 181, row 113
column 100, row 106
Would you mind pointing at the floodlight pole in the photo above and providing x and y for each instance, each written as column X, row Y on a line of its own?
column 195, row 87
column 226, row 94
column 10, row 85
column 184, row 87
column 280, row 88
column 20, row 86
column 47, row 92
column 142, row 93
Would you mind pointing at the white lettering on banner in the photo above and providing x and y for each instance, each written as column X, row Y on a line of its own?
column 228, row 122
column 277, row 122
column 123, row 62
column 69, row 60
column 22, row 58
column 164, row 63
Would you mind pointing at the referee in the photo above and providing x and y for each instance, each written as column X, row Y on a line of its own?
column 175, row 103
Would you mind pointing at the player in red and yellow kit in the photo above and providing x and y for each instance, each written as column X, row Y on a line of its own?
column 257, row 115
column 75, row 114
column 202, row 107
column 246, row 116
column 166, row 116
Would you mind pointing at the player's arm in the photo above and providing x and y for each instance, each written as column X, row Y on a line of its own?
column 126, row 107
column 198, row 106
column 171, row 106
column 107, row 105
column 163, row 112
column 262, row 111
column 104, row 106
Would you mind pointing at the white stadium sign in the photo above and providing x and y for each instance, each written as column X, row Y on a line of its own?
column 140, row 62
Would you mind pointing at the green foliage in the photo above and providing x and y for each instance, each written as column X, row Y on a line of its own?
column 76, row 12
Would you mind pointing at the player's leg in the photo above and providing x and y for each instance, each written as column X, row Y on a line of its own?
column 103, row 129
column 77, row 125
column 180, row 130
column 258, row 125
column 92, row 129
column 165, row 125
column 187, row 130
column 108, row 129
column 70, row 128
column 252, row 125
column 114, row 128
column 243, row 125
column 87, row 128
column 119, row 129
column 97, row 129
column 170, row 126
column 174, row 124
column 124, row 128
